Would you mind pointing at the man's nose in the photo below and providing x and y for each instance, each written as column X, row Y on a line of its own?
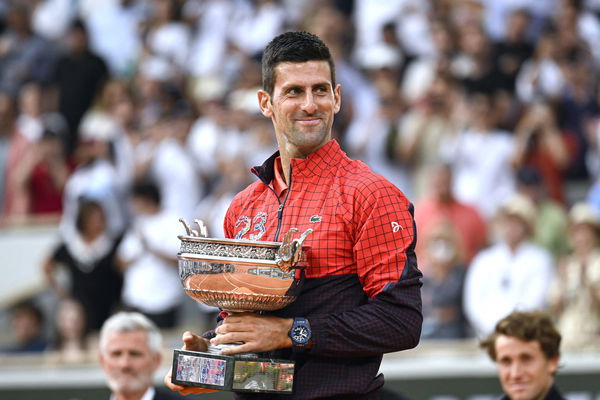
column 515, row 370
column 124, row 361
column 309, row 106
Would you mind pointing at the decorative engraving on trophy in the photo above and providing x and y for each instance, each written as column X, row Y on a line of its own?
column 272, row 273
column 228, row 250
column 188, row 268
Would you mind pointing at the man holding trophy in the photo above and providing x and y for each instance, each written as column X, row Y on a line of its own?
column 360, row 294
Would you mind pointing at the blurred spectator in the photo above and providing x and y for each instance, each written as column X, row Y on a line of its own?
column 550, row 217
column 208, row 134
column 71, row 343
column 88, row 255
column 442, row 205
column 148, row 257
column 42, row 175
column 114, row 28
column 540, row 144
column 481, row 158
column 255, row 23
column 420, row 73
column 130, row 354
column 575, row 294
column 442, row 291
column 27, row 326
column 540, row 77
column 78, row 76
column 28, row 130
column 496, row 14
column 431, row 122
column 474, row 64
column 383, row 130
column 51, row 18
column 166, row 161
column 7, row 130
column 26, row 194
column 166, row 37
column 410, row 17
column 514, row 48
column 213, row 207
column 575, row 105
column 212, row 22
column 513, row 274
column 97, row 176
column 580, row 28
column 24, row 56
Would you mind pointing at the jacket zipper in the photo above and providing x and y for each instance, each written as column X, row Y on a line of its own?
column 281, row 206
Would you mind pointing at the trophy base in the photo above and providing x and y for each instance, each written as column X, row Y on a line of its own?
column 239, row 373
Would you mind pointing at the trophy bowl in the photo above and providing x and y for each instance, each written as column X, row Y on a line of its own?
column 237, row 274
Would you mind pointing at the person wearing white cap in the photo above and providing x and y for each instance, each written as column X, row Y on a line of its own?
column 575, row 293
column 513, row 274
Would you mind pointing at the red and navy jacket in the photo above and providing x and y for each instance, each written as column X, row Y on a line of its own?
column 361, row 292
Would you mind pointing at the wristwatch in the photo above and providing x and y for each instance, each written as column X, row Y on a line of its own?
column 300, row 332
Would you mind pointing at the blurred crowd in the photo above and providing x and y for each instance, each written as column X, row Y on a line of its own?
column 117, row 117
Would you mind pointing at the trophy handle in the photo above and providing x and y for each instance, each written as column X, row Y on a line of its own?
column 201, row 232
column 290, row 251
column 188, row 231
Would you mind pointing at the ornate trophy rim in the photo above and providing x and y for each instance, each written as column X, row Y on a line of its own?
column 228, row 241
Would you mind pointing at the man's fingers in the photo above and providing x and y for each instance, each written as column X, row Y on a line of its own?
column 242, row 348
column 232, row 337
column 193, row 342
column 171, row 385
column 196, row 390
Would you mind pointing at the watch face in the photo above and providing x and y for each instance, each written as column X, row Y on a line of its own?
column 300, row 334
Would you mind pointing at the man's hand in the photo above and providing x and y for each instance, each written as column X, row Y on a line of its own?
column 259, row 333
column 194, row 343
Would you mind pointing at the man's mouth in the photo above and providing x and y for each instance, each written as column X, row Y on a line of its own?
column 309, row 121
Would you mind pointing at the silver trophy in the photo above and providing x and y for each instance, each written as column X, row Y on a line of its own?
column 237, row 275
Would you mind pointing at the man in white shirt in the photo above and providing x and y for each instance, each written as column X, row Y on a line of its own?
column 148, row 256
column 513, row 274
column 130, row 354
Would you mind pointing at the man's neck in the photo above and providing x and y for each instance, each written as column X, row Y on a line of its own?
column 285, row 168
column 287, row 152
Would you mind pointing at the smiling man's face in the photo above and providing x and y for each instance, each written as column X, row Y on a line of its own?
column 302, row 106
column 525, row 371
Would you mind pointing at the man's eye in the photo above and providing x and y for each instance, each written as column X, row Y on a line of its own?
column 321, row 90
column 294, row 91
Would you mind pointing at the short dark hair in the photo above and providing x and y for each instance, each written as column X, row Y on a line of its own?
column 527, row 326
column 293, row 47
column 86, row 208
column 148, row 190
column 28, row 307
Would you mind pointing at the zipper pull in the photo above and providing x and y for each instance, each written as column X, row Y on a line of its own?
column 280, row 211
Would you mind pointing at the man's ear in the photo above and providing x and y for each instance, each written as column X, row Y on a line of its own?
column 264, row 102
column 157, row 359
column 337, row 95
column 553, row 365
column 101, row 359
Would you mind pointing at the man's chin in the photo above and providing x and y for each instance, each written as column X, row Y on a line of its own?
column 126, row 385
column 520, row 393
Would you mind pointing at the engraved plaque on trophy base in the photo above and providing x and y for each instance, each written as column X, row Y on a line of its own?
column 241, row 373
